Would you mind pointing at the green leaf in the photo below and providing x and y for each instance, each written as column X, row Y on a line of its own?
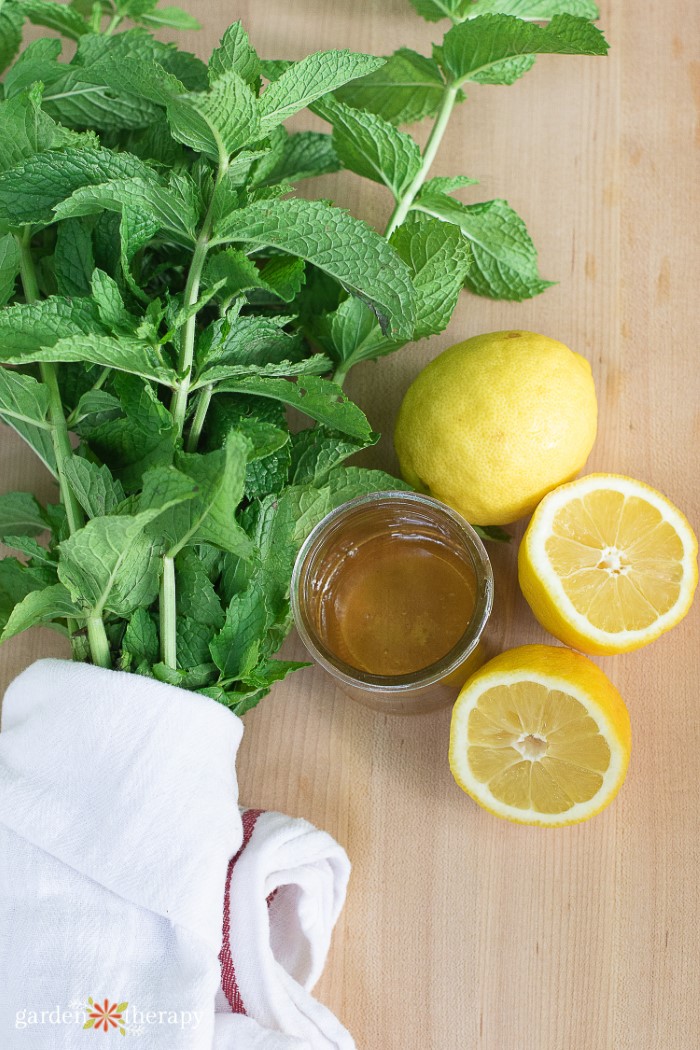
column 304, row 82
column 38, row 62
column 504, row 257
column 61, row 17
column 302, row 156
column 235, row 52
column 165, row 208
column 407, row 88
column 40, row 606
column 111, row 564
column 29, row 193
column 109, row 302
column 316, row 365
column 316, row 452
column 125, row 355
column 26, row 327
column 250, row 339
column 340, row 245
column 141, row 638
column 94, row 408
column 195, row 592
column 24, row 404
column 170, row 18
column 435, row 10
column 31, row 549
column 371, row 146
column 535, row 10
column 440, row 260
column 346, row 483
column 217, row 122
column 472, row 48
column 21, row 515
column 142, row 438
column 94, row 487
column 192, row 641
column 236, row 648
column 26, row 130
column 73, row 260
column 209, row 517
column 317, row 398
column 9, row 266
column 492, row 532
column 445, row 184
column 10, row 33
column 17, row 581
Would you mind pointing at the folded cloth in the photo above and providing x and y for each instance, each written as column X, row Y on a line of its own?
column 122, row 857
column 284, row 892
column 118, row 817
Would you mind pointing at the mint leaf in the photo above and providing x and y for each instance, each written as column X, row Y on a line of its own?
column 246, row 340
column 31, row 549
column 40, row 606
column 140, row 640
column 435, row 10
column 169, row 208
column 61, row 17
column 24, row 404
column 371, row 146
column 17, row 581
column 10, row 33
column 20, row 515
column 440, row 260
column 235, row 53
column 316, row 365
column 336, row 243
column 196, row 596
column 317, row 398
column 142, row 438
column 94, row 487
column 316, row 452
column 26, row 327
column 445, row 184
column 38, row 62
column 472, row 48
column 236, row 648
column 73, row 260
column 111, row 565
column 217, row 122
column 169, row 18
column 504, row 257
column 109, row 302
column 535, row 10
column 125, row 355
column 26, row 130
column 9, row 266
column 302, row 156
column 208, row 517
column 305, row 81
column 407, row 88
column 29, row 193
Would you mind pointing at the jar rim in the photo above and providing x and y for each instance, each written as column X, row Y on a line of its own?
column 460, row 651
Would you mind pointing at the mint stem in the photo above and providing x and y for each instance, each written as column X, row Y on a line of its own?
column 203, row 402
column 168, row 614
column 403, row 205
column 99, row 645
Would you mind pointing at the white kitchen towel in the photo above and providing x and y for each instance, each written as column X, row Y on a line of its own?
column 285, row 889
column 118, row 818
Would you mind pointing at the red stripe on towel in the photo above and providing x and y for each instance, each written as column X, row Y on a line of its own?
column 228, row 974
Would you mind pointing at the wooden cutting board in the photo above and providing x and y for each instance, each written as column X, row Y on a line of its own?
column 461, row 931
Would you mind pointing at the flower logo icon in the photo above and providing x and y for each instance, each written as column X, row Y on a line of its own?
column 106, row 1016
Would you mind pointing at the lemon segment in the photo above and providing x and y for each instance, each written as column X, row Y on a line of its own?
column 540, row 736
column 608, row 564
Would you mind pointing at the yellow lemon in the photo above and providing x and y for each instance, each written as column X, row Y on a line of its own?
column 494, row 423
column 608, row 564
column 540, row 736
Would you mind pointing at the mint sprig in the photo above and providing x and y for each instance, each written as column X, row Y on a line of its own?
column 165, row 299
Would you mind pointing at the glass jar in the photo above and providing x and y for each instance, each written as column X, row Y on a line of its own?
column 389, row 518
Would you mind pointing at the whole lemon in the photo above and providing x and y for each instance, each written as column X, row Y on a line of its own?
column 493, row 424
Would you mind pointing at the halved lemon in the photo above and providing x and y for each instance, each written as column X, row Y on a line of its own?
column 607, row 564
column 540, row 736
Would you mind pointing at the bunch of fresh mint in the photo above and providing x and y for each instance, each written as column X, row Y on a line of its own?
column 166, row 296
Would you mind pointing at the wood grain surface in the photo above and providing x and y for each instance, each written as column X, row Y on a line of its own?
column 461, row 931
